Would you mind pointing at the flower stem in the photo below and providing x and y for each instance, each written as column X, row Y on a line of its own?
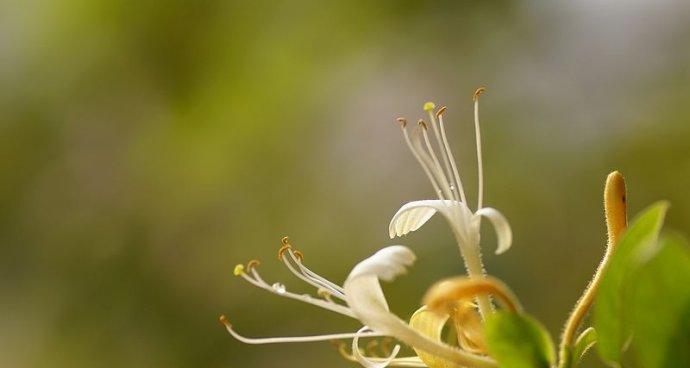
column 616, row 222
column 475, row 269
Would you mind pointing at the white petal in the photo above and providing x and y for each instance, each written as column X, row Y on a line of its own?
column 503, row 232
column 386, row 264
column 364, row 361
column 413, row 215
column 365, row 298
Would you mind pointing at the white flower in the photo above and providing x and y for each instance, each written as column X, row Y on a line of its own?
column 452, row 202
column 361, row 296
column 363, row 300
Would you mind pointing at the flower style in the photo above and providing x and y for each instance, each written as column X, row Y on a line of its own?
column 361, row 296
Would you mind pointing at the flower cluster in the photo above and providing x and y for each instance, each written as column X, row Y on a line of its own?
column 463, row 301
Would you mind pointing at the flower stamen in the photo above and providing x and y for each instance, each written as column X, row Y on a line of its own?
column 456, row 174
column 251, row 264
column 444, row 154
column 278, row 340
column 238, row 270
column 280, row 289
column 478, row 136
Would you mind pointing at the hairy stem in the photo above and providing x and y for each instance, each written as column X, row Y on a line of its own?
column 616, row 223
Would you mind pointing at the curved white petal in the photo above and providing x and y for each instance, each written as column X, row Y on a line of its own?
column 411, row 216
column 503, row 232
column 386, row 264
column 365, row 298
column 364, row 361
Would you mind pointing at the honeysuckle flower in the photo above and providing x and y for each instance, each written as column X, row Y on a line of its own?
column 452, row 201
column 361, row 297
column 364, row 301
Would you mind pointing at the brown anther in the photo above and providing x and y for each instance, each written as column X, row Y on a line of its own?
column 342, row 349
column 298, row 254
column 402, row 122
column 386, row 343
column 224, row 320
column 282, row 250
column 371, row 346
column 285, row 240
column 478, row 92
column 440, row 111
column 422, row 124
column 253, row 263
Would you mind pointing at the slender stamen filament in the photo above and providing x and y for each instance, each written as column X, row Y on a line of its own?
column 279, row 289
column 337, row 290
column 306, row 274
column 419, row 159
column 444, row 154
column 277, row 340
column 460, row 188
column 317, row 283
column 437, row 165
column 478, row 136
column 421, row 150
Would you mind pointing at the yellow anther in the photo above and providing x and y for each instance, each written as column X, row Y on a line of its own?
column 478, row 92
column 422, row 124
column 253, row 263
column 440, row 111
column 402, row 122
column 298, row 254
column 429, row 106
column 285, row 240
column 224, row 321
column 239, row 270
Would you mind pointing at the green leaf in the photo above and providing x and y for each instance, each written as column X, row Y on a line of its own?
column 519, row 341
column 638, row 242
column 584, row 342
column 660, row 306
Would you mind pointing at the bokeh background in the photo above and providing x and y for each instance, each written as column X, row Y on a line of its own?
column 146, row 148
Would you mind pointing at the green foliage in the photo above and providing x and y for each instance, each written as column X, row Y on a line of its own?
column 584, row 342
column 644, row 299
column 519, row 341
column 610, row 309
column 660, row 306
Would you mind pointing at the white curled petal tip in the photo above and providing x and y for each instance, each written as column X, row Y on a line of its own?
column 366, row 362
column 503, row 232
column 386, row 264
column 411, row 216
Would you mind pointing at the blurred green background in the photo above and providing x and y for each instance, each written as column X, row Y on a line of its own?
column 146, row 148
